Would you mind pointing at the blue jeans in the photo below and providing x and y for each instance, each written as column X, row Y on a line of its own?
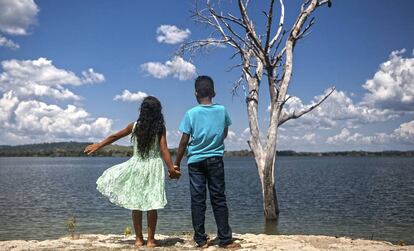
column 211, row 172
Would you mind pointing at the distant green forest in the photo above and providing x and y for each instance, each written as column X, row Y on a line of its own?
column 75, row 149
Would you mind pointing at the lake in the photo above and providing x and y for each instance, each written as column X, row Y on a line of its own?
column 359, row 197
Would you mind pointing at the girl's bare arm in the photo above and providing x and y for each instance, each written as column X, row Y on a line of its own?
column 166, row 156
column 109, row 140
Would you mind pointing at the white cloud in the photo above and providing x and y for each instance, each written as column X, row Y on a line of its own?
column 343, row 136
column 177, row 67
column 231, row 135
column 296, row 141
column 7, row 105
column 173, row 138
column 91, row 77
column 26, row 118
column 237, row 140
column 404, row 134
column 5, row 42
column 392, row 86
column 156, row 69
column 309, row 137
column 337, row 109
column 41, row 78
column 171, row 34
column 16, row 16
column 131, row 97
column 29, row 121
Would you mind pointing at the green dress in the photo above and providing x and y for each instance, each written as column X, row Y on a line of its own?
column 138, row 183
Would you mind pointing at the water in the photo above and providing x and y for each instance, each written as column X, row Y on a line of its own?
column 360, row 197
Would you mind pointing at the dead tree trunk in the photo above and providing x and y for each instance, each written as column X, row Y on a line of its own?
column 261, row 55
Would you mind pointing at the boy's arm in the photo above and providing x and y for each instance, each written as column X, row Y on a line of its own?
column 109, row 140
column 181, row 149
column 166, row 156
column 226, row 132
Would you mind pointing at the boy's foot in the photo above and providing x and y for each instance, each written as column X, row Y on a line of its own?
column 139, row 241
column 205, row 245
column 151, row 243
column 232, row 245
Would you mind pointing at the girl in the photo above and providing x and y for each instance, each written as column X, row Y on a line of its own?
column 138, row 183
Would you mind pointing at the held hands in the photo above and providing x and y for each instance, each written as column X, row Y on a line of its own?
column 91, row 148
column 174, row 173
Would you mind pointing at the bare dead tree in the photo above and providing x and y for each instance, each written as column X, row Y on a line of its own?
column 268, row 55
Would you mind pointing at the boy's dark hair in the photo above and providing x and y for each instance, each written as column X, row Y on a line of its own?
column 204, row 86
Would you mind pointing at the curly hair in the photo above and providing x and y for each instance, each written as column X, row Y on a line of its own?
column 150, row 124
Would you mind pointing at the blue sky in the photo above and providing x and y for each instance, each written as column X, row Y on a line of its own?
column 64, row 62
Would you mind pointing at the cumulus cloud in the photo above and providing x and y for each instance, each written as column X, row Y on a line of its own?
column 16, row 16
column 91, row 77
column 41, row 78
column 177, row 67
column 29, row 121
column 337, row 109
column 171, row 34
column 7, row 105
column 404, row 134
column 131, row 97
column 238, row 140
column 344, row 136
column 26, row 118
column 392, row 86
column 5, row 42
column 231, row 135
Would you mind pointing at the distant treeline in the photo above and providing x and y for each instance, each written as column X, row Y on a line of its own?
column 75, row 149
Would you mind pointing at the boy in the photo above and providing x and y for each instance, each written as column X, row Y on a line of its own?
column 207, row 125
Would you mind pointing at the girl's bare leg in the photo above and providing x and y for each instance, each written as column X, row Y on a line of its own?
column 152, row 223
column 137, row 220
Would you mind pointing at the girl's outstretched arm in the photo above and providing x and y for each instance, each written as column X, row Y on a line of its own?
column 109, row 140
column 166, row 156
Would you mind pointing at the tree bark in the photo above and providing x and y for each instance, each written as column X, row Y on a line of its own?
column 270, row 202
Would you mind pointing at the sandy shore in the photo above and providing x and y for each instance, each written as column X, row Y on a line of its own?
column 184, row 242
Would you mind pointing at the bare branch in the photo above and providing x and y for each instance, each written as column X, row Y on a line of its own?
column 281, row 21
column 294, row 115
column 328, row 2
column 269, row 25
column 196, row 45
column 233, row 67
column 284, row 101
column 218, row 17
column 306, row 2
column 250, row 29
column 231, row 18
column 303, row 33
column 236, row 85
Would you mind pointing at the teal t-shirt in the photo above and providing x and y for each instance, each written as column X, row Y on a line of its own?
column 205, row 124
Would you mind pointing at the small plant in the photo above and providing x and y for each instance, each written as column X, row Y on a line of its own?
column 401, row 243
column 71, row 225
column 127, row 231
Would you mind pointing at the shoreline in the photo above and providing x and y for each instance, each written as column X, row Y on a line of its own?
column 75, row 149
column 184, row 242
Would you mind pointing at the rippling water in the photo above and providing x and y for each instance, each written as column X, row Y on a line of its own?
column 361, row 197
